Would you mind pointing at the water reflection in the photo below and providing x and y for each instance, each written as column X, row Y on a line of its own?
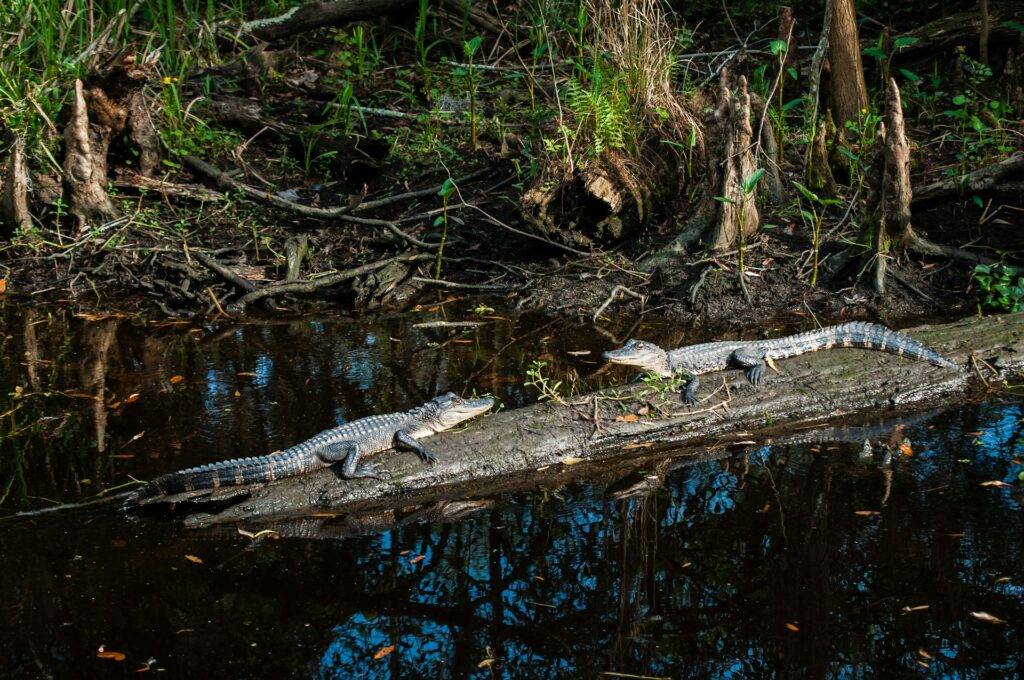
column 812, row 558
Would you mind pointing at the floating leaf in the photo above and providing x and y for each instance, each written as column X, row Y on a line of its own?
column 486, row 663
column 570, row 460
column 109, row 654
column 793, row 627
column 987, row 618
column 193, row 558
column 994, row 482
column 175, row 379
column 382, row 652
column 417, row 559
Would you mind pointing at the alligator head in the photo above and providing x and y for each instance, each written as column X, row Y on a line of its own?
column 448, row 410
column 643, row 355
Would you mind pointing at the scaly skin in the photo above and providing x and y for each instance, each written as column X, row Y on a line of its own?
column 754, row 355
column 347, row 443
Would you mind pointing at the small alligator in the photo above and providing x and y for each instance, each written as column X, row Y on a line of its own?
column 754, row 355
column 345, row 444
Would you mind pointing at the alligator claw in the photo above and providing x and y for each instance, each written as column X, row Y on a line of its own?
column 429, row 458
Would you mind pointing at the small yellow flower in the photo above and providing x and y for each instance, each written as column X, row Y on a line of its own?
column 169, row 80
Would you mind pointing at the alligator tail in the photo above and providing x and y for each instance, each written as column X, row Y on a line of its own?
column 856, row 334
column 233, row 472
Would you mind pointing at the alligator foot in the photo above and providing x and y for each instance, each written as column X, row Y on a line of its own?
column 690, row 392
column 755, row 373
column 371, row 471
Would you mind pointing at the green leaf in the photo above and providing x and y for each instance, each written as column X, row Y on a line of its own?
column 849, row 154
column 977, row 201
column 471, row 46
column 447, row 188
column 1015, row 25
column 724, row 199
column 960, row 100
column 792, row 73
column 808, row 194
column 905, row 41
column 874, row 52
column 910, row 75
column 778, row 47
column 750, row 182
column 808, row 215
column 792, row 103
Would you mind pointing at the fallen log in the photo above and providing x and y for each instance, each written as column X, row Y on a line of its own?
column 995, row 178
column 520, row 443
column 313, row 15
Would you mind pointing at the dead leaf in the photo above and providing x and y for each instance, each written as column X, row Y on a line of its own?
column 109, row 654
column 417, row 559
column 922, row 664
column 987, row 618
column 866, row 513
column 767, row 507
column 237, row 393
column 131, row 398
column 918, row 608
column 639, row 445
column 175, row 379
column 247, row 374
column 570, row 460
column 628, row 418
column 193, row 558
column 486, row 663
column 994, row 482
column 1003, row 579
column 382, row 652
column 906, row 449
column 793, row 627
column 923, row 654
column 3, row 286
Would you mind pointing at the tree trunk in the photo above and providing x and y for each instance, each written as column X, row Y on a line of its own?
column 14, row 213
column 737, row 211
column 541, row 443
column 848, row 91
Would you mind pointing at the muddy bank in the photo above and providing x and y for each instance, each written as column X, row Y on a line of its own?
column 610, row 423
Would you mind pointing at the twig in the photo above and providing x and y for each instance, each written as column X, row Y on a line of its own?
column 231, row 277
column 611, row 298
column 452, row 285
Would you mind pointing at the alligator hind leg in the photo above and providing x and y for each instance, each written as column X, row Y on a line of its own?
column 350, row 468
column 753, row 362
column 404, row 439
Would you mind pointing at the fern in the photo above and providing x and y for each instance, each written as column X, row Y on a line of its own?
column 601, row 111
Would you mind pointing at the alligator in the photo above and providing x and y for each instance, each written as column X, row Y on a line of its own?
column 346, row 444
column 755, row 355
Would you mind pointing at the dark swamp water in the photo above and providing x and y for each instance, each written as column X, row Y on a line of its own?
column 790, row 560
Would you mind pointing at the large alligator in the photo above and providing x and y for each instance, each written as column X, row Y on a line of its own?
column 345, row 444
column 754, row 355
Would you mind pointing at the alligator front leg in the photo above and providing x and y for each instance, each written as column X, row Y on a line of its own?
column 348, row 452
column 404, row 439
column 753, row 362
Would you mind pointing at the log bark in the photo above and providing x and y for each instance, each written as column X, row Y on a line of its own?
column 315, row 15
column 847, row 89
column 530, row 443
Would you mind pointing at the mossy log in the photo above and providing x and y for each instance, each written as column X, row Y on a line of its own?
column 532, row 442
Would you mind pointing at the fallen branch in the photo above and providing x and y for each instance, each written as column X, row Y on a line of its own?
column 315, row 15
column 521, row 444
column 314, row 285
column 611, row 298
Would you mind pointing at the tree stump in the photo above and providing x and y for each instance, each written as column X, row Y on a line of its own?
column 14, row 213
column 108, row 106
